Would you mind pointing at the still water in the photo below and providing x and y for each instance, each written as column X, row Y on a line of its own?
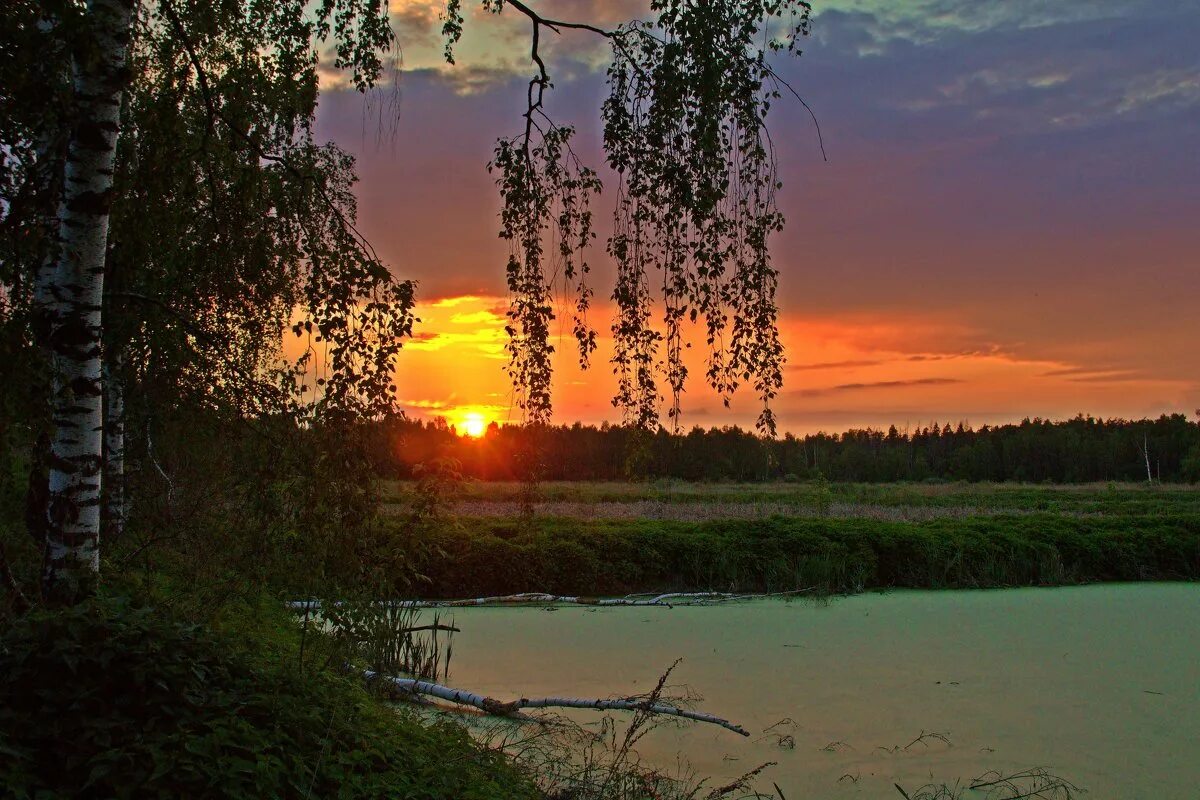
column 1099, row 684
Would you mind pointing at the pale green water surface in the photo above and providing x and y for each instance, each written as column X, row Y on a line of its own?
column 1101, row 684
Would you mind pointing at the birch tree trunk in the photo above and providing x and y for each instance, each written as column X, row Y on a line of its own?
column 1146, row 456
column 73, row 289
column 51, row 157
column 113, row 483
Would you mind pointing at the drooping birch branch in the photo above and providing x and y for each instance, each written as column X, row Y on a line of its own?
column 493, row 706
column 666, row 600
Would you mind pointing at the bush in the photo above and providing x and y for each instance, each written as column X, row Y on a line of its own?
column 489, row 556
column 113, row 700
column 1191, row 465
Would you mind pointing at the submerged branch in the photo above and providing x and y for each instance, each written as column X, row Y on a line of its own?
column 667, row 600
column 493, row 706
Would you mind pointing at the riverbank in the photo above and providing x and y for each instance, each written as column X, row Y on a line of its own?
column 473, row 556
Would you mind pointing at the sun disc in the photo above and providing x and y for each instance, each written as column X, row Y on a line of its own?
column 474, row 425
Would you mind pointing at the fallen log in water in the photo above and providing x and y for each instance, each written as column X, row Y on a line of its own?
column 492, row 706
column 666, row 600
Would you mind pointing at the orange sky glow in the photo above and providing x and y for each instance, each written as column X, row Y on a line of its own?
column 870, row 370
column 1005, row 226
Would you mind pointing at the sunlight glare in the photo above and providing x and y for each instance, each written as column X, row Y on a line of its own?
column 474, row 425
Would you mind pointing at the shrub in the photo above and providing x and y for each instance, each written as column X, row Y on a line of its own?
column 1191, row 465
column 113, row 700
column 485, row 556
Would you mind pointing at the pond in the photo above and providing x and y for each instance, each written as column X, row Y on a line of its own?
column 1099, row 684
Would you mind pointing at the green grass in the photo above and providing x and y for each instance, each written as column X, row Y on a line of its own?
column 594, row 538
column 483, row 556
column 1092, row 498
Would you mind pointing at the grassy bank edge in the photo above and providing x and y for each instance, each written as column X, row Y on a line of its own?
column 479, row 556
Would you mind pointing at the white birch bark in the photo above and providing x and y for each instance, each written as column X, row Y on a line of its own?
column 74, row 289
column 50, row 158
column 1146, row 455
column 492, row 706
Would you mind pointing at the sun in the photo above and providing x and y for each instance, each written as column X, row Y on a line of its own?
column 474, row 425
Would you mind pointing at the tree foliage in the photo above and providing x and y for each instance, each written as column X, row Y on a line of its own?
column 230, row 223
column 546, row 192
column 252, row 232
column 1077, row 450
column 685, row 132
column 227, row 224
column 223, row 223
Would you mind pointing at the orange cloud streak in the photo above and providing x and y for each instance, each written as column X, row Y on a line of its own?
column 855, row 371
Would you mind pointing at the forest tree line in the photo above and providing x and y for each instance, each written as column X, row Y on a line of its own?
column 1077, row 450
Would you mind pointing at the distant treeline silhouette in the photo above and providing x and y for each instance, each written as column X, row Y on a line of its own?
column 1070, row 451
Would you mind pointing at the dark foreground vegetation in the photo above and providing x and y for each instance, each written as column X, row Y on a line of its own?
column 108, row 699
column 1077, row 450
column 185, row 676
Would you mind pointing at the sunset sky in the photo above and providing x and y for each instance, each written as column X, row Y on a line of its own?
column 1008, row 224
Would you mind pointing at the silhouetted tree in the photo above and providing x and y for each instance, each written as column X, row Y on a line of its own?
column 1071, row 451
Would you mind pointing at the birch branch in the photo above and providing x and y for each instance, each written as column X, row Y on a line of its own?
column 493, row 706
column 667, row 600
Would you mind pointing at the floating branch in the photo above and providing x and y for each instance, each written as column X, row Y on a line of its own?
column 1036, row 782
column 781, row 739
column 1028, row 784
column 923, row 738
column 667, row 600
column 785, row 740
column 492, row 706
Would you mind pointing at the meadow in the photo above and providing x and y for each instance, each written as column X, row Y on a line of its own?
column 615, row 538
column 606, row 499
